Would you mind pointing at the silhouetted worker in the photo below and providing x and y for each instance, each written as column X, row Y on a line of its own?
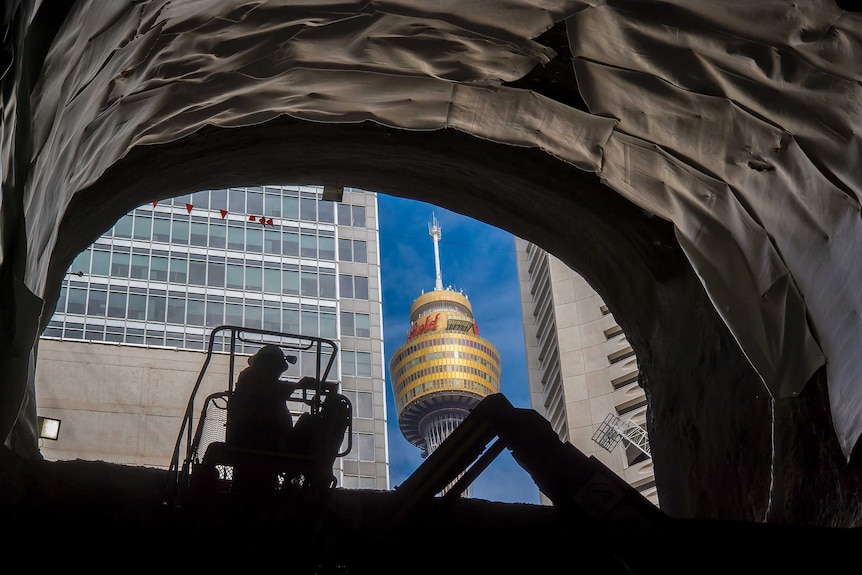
column 258, row 418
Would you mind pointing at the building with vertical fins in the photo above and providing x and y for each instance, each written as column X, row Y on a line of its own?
column 583, row 373
column 444, row 368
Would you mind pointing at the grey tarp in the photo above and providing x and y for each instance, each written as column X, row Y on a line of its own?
column 743, row 135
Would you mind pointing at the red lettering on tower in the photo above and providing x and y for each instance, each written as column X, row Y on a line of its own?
column 420, row 328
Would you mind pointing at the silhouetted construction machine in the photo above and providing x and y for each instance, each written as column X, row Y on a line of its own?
column 584, row 492
column 201, row 486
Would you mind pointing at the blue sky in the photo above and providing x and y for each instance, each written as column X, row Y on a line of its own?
column 480, row 261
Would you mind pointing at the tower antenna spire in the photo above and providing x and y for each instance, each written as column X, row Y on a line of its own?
column 435, row 232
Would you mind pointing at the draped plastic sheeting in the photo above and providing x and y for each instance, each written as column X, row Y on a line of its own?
column 736, row 121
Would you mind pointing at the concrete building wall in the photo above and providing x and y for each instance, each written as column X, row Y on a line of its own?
column 119, row 403
column 580, row 365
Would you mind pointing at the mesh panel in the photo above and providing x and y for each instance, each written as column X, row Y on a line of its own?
column 213, row 424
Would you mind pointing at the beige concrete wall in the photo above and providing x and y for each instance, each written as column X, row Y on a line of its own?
column 122, row 404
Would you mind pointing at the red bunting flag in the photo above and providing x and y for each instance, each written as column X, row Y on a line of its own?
column 189, row 208
column 223, row 213
column 155, row 204
column 269, row 221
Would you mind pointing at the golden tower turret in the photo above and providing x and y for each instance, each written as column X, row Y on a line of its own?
column 444, row 368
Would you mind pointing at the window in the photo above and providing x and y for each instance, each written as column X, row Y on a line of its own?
column 233, row 314
column 290, row 243
column 290, row 282
column 272, row 280
column 235, row 277
column 358, row 216
column 215, row 313
column 97, row 304
column 137, row 307
column 255, row 202
column 348, row 362
column 143, row 227
column 199, row 234
column 344, row 216
column 309, row 323
column 308, row 246
column 347, row 324
column 351, row 215
column 195, row 312
column 308, row 284
column 360, row 253
column 345, row 250
column 161, row 230
column 218, row 235
column 197, row 273
column 345, row 283
column 236, row 238
column 140, row 267
column 215, row 274
column 101, row 263
column 180, row 232
column 352, row 250
column 327, row 285
column 156, row 308
column 290, row 207
column 363, row 363
column 159, row 269
column 272, row 205
column 308, row 209
column 353, row 286
column 363, row 447
column 326, row 212
column 176, row 310
column 361, row 402
column 253, row 278
column 360, row 287
column 178, row 271
column 236, row 201
column 326, row 247
column 356, row 363
column 254, row 240
column 253, row 316
column 272, row 242
column 328, row 325
column 117, row 304
column 363, row 325
column 120, row 265
column 272, row 318
column 355, row 324
column 290, row 320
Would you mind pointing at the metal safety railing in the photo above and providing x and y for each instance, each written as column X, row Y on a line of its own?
column 615, row 429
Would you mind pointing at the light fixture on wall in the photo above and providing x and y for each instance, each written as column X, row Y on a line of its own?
column 49, row 428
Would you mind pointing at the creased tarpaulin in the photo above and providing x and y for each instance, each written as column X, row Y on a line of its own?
column 754, row 158
column 743, row 135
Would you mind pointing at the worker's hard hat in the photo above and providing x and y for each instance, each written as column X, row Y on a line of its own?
column 269, row 353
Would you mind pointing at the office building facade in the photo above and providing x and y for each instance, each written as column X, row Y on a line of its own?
column 583, row 374
column 126, row 343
